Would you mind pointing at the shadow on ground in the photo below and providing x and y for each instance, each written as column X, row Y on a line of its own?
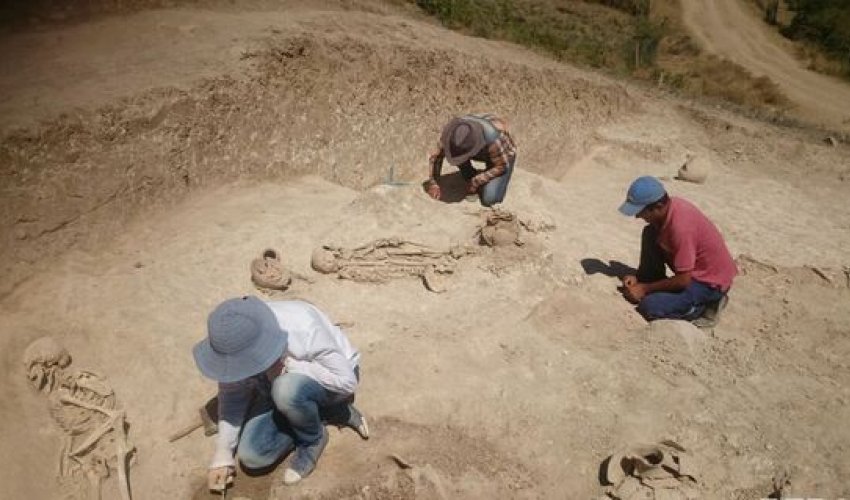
column 613, row 268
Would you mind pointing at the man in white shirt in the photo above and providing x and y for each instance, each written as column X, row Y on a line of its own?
column 284, row 369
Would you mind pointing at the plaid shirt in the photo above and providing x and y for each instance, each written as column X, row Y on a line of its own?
column 496, row 156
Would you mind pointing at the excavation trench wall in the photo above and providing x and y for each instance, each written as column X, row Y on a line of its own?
column 348, row 110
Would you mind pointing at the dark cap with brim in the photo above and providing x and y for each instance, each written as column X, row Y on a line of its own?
column 461, row 140
column 243, row 339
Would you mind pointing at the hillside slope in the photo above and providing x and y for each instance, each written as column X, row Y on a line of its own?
column 124, row 223
column 731, row 30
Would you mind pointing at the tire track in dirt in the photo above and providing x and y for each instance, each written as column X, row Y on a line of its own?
column 728, row 29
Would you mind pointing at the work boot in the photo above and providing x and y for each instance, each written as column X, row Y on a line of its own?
column 357, row 421
column 346, row 415
column 304, row 460
column 711, row 316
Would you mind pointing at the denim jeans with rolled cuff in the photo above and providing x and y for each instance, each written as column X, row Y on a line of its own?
column 688, row 304
column 301, row 407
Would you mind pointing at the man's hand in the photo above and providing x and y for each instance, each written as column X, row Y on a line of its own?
column 630, row 280
column 471, row 189
column 635, row 292
column 220, row 478
column 434, row 191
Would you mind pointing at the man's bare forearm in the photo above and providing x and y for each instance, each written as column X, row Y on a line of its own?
column 675, row 284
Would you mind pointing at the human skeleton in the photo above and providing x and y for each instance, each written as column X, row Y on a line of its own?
column 83, row 406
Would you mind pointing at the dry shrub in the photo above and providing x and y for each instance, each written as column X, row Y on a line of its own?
column 633, row 7
column 683, row 66
column 678, row 45
column 816, row 60
column 722, row 78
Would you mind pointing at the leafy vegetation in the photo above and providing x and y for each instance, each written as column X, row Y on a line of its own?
column 590, row 33
column 634, row 7
column 625, row 36
column 826, row 23
column 647, row 37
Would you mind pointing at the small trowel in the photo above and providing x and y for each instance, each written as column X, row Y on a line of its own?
column 207, row 418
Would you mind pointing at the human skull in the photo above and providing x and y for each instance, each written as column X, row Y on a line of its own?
column 324, row 261
column 42, row 359
column 499, row 235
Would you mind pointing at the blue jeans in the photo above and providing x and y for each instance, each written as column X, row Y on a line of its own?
column 494, row 191
column 688, row 304
column 296, row 420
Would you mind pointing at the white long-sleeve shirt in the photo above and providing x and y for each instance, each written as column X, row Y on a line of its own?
column 316, row 348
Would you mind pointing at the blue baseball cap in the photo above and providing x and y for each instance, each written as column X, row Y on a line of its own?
column 643, row 191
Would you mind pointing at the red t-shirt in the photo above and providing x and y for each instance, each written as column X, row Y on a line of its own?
column 693, row 243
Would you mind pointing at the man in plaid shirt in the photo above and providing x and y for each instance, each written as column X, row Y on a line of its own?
column 481, row 137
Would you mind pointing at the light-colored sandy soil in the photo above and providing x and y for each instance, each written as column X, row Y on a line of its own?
column 47, row 72
column 731, row 30
column 123, row 226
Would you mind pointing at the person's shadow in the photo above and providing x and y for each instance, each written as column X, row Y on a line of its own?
column 613, row 268
column 452, row 187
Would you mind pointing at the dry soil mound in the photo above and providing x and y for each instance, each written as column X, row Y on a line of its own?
column 123, row 226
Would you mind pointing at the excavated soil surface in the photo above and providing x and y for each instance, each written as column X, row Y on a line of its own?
column 126, row 219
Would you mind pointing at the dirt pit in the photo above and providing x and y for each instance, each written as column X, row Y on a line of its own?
column 124, row 226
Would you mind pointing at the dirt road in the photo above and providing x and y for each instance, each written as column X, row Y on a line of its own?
column 729, row 29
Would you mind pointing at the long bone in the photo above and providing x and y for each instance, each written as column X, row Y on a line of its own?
column 115, row 421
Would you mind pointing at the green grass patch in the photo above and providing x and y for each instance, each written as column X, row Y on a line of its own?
column 588, row 33
column 825, row 23
column 646, row 39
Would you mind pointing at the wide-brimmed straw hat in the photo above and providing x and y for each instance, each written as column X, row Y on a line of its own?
column 243, row 339
column 462, row 139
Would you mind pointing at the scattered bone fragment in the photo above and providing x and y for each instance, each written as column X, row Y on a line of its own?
column 401, row 461
column 748, row 262
column 434, row 281
column 662, row 470
column 537, row 223
column 821, row 273
column 805, row 274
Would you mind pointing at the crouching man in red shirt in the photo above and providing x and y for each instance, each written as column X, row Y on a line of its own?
column 678, row 235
